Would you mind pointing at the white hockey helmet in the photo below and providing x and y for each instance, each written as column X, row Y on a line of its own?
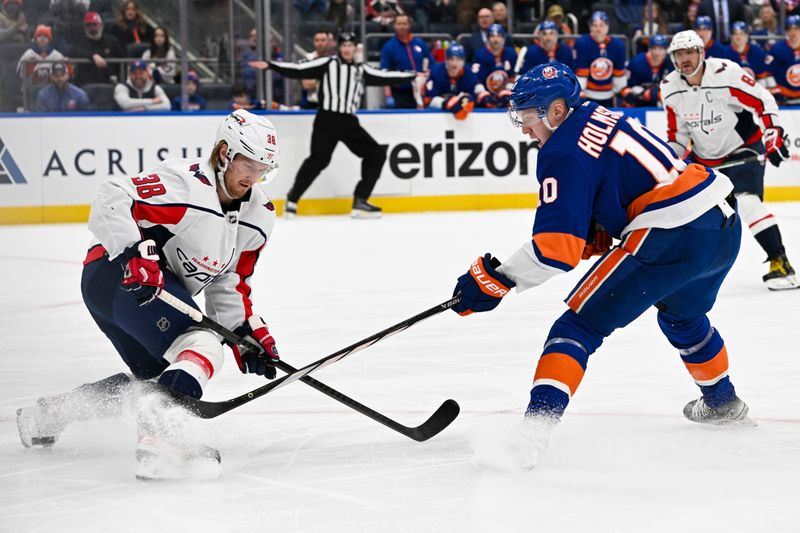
column 250, row 135
column 686, row 40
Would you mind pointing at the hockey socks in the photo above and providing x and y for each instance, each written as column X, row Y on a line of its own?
column 562, row 365
column 703, row 352
column 770, row 240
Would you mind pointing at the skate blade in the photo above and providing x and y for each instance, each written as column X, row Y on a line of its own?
column 782, row 284
column 358, row 214
column 194, row 470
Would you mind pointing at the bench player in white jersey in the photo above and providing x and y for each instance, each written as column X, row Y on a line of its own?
column 186, row 226
column 719, row 113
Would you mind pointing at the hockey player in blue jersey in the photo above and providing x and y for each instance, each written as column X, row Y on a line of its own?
column 546, row 49
column 750, row 56
column 453, row 88
column 784, row 63
column 704, row 28
column 603, row 175
column 496, row 55
column 600, row 62
column 645, row 72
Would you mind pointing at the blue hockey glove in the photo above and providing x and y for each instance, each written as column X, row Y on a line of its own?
column 482, row 287
column 390, row 101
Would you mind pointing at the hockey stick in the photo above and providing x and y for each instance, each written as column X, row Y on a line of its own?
column 739, row 162
column 444, row 415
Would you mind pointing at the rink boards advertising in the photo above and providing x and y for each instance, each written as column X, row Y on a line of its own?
column 50, row 165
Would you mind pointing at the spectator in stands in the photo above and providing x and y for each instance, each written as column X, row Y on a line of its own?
column 408, row 53
column 722, row 13
column 555, row 14
column 383, row 12
column 479, row 38
column 645, row 71
column 310, row 9
column 341, row 13
column 766, row 25
column 704, row 28
column 500, row 14
column 13, row 24
column 160, row 48
column 442, row 11
column 196, row 102
column 690, row 17
column 131, row 27
column 241, row 98
column 68, row 20
column 250, row 54
column 322, row 48
column 30, row 64
column 97, row 46
column 61, row 95
column 545, row 49
column 653, row 24
column 140, row 92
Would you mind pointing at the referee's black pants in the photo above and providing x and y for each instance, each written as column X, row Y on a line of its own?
column 329, row 129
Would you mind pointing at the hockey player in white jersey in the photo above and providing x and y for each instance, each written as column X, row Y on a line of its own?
column 185, row 226
column 718, row 113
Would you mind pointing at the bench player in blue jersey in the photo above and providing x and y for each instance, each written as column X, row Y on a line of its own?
column 603, row 175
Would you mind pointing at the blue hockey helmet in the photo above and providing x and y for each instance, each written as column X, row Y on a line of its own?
column 496, row 29
column 703, row 22
column 794, row 20
column 542, row 85
column 658, row 40
column 455, row 50
column 740, row 25
column 600, row 15
column 548, row 25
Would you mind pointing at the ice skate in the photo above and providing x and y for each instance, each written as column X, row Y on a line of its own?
column 732, row 413
column 364, row 209
column 781, row 275
column 38, row 425
column 512, row 448
column 290, row 210
column 533, row 435
column 162, row 460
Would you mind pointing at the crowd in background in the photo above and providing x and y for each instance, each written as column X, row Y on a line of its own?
column 77, row 55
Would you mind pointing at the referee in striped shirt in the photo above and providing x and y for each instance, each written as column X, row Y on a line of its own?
column 339, row 92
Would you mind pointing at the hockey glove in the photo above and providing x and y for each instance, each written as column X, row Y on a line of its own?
column 775, row 143
column 482, row 287
column 460, row 105
column 141, row 274
column 597, row 243
column 252, row 360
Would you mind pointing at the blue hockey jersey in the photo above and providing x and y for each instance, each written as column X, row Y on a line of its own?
column 714, row 49
column 600, row 67
column 600, row 167
column 784, row 64
column 534, row 55
column 752, row 60
column 440, row 85
column 485, row 62
column 642, row 73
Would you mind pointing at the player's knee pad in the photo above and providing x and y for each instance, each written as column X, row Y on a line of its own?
column 194, row 358
column 754, row 213
column 563, row 363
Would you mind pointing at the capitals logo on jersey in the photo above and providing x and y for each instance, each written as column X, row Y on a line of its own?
column 601, row 69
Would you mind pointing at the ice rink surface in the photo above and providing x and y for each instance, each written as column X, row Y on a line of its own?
column 623, row 459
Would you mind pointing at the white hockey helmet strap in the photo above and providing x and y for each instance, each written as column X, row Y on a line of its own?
column 250, row 135
column 687, row 40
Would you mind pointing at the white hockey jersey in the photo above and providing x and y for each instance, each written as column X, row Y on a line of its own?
column 207, row 248
column 726, row 112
